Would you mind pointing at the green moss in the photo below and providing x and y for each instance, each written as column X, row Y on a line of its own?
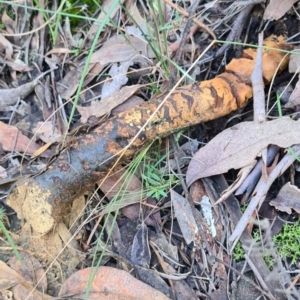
column 244, row 207
column 288, row 242
column 238, row 252
column 269, row 260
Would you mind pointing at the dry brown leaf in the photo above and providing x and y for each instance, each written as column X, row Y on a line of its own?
column 131, row 102
column 287, row 199
column 74, row 249
column 108, row 283
column 3, row 173
column 58, row 51
column 12, row 96
column 294, row 63
column 119, row 48
column 295, row 96
column 130, row 194
column 8, row 277
column 116, row 49
column 22, row 289
column 118, row 78
column 106, row 6
column 46, row 131
column 13, row 140
column 69, row 84
column 185, row 218
column 164, row 244
column 7, row 46
column 30, row 269
column 277, row 8
column 42, row 150
column 77, row 211
column 237, row 147
column 104, row 106
column 131, row 8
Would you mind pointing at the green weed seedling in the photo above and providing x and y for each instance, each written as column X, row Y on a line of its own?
column 156, row 185
column 155, row 181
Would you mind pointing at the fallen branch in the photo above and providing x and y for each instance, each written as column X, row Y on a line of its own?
column 46, row 198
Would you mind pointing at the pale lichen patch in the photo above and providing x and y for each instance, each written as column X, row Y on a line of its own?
column 30, row 203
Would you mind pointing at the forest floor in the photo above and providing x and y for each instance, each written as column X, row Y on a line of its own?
column 149, row 149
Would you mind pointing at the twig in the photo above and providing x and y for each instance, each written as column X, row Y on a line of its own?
column 236, row 29
column 248, row 243
column 184, row 35
column 259, row 94
column 195, row 20
column 176, row 156
column 258, row 85
column 12, row 96
column 186, row 29
column 252, row 179
column 247, row 2
column 261, row 192
column 256, row 272
column 244, row 277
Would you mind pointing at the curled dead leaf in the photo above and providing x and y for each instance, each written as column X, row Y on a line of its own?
column 237, row 147
column 287, row 199
column 276, row 9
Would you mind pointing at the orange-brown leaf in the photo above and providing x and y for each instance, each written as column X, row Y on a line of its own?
column 108, row 283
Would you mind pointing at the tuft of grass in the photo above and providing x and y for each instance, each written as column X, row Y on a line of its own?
column 76, row 7
column 156, row 182
column 7, row 235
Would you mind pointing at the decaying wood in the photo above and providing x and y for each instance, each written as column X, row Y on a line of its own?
column 46, row 198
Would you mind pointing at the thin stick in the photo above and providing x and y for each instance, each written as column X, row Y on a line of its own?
column 261, row 192
column 258, row 85
column 236, row 29
column 195, row 20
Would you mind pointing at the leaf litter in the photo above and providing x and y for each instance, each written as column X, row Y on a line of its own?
column 169, row 245
column 238, row 146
